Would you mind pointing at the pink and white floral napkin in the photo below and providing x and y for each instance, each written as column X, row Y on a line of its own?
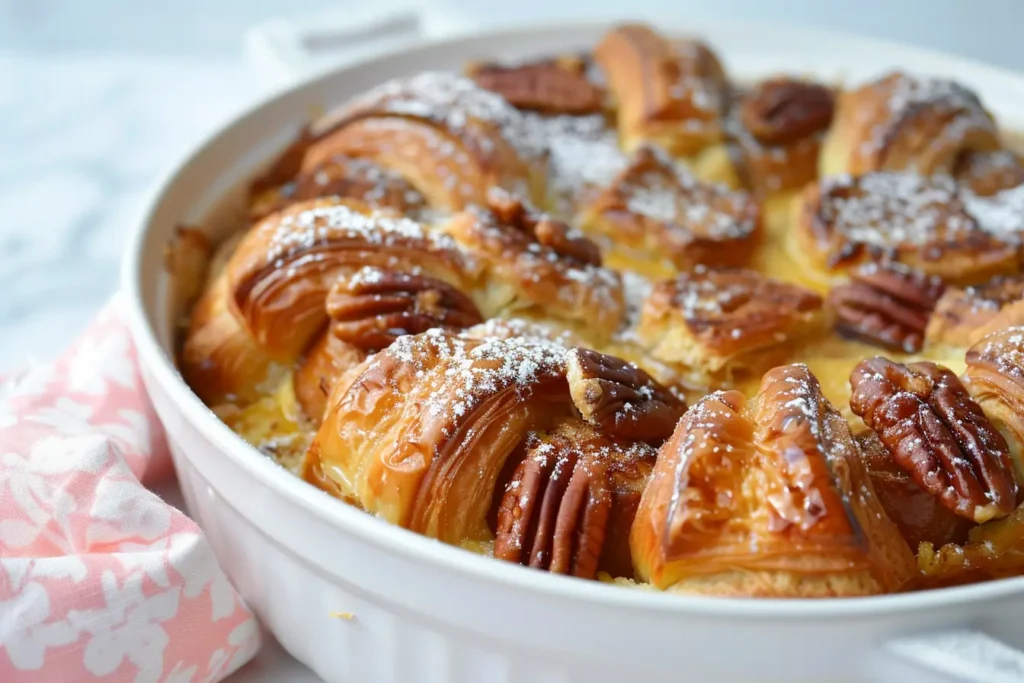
column 100, row 579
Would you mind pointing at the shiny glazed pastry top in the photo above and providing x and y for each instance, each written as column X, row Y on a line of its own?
column 616, row 315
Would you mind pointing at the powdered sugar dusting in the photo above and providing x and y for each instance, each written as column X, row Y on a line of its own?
column 476, row 370
column 656, row 188
column 1004, row 350
column 886, row 209
column 911, row 94
column 585, row 155
column 456, row 101
column 305, row 230
column 1001, row 215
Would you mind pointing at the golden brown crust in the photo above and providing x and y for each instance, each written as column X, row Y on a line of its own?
column 771, row 489
column 995, row 379
column 536, row 264
column 671, row 93
column 510, row 328
column 270, row 303
column 419, row 433
column 937, row 434
column 220, row 360
column 341, row 176
column 775, row 135
column 920, row 222
column 987, row 173
column 450, row 138
column 660, row 212
column 569, row 500
column 719, row 324
column 901, row 122
column 963, row 315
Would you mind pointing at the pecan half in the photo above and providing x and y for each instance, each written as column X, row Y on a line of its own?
column 620, row 397
column 556, row 235
column 887, row 304
column 374, row 307
column 938, row 434
column 552, row 86
column 555, row 510
column 784, row 110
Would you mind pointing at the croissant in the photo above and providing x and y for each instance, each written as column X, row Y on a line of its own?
column 988, row 173
column 654, row 211
column 900, row 122
column 449, row 138
column 340, row 176
column 669, row 93
column 536, row 266
column 963, row 315
column 995, row 379
column 287, row 293
column 719, row 325
column 920, row 222
column 421, row 433
column 766, row 497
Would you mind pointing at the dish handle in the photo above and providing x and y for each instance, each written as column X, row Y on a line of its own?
column 962, row 655
column 286, row 49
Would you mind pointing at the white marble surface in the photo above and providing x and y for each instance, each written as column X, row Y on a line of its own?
column 82, row 142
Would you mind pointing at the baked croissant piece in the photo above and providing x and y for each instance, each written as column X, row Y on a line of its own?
column 339, row 176
column 995, row 379
column 320, row 284
column 717, row 326
column 918, row 221
column 657, row 212
column 963, row 315
column 421, row 433
column 988, row 173
column 905, row 123
column 672, row 93
column 536, row 266
column 768, row 497
column 449, row 138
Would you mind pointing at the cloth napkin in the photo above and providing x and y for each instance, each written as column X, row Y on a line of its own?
column 101, row 579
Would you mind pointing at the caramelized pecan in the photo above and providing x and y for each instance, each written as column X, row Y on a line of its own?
column 783, row 110
column 620, row 397
column 553, row 86
column 555, row 510
column 556, row 235
column 887, row 304
column 374, row 307
column 938, row 434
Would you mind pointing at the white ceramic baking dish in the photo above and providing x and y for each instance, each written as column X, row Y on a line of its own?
column 421, row 611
